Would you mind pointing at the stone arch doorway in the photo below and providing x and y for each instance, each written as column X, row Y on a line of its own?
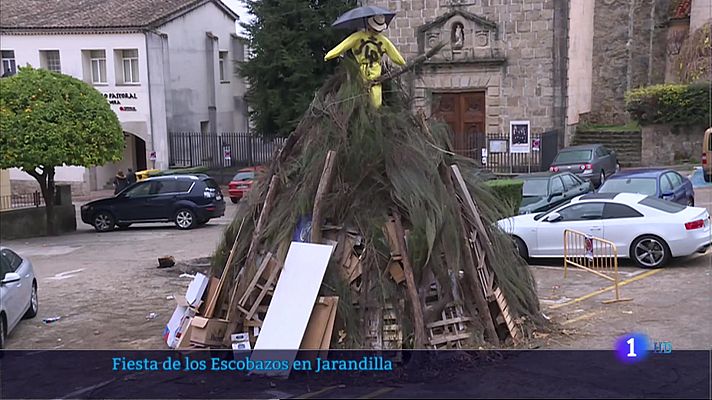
column 133, row 157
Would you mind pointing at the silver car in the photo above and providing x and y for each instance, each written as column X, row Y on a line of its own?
column 18, row 291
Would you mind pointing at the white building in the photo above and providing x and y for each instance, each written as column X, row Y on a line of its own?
column 163, row 65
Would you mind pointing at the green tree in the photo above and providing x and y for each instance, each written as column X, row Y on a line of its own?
column 288, row 40
column 49, row 120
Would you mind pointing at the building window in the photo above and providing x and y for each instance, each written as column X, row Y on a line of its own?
column 223, row 66
column 49, row 59
column 129, row 63
column 97, row 60
column 8, row 63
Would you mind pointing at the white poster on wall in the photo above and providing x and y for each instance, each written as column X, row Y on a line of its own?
column 519, row 137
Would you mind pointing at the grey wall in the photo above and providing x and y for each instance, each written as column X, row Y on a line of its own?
column 30, row 222
column 628, row 52
column 191, row 75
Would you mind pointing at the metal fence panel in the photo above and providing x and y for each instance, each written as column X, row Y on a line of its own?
column 192, row 149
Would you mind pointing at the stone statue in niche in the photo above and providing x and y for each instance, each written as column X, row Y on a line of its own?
column 458, row 36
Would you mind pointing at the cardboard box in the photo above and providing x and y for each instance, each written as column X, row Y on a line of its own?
column 240, row 341
column 184, row 336
column 174, row 327
column 209, row 332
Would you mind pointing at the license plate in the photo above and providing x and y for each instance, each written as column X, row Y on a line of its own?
column 242, row 186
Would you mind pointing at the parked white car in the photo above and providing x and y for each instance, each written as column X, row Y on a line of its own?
column 646, row 229
column 18, row 291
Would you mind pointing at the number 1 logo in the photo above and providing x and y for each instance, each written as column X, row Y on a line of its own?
column 631, row 352
column 632, row 347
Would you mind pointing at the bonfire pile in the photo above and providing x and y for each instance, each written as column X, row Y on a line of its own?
column 418, row 262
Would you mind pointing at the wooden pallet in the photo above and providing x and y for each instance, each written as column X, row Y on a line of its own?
column 261, row 286
column 452, row 331
column 506, row 314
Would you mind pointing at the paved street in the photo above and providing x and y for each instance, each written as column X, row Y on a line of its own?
column 103, row 285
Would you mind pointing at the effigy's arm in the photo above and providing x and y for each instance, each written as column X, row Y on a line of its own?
column 392, row 52
column 411, row 65
column 342, row 47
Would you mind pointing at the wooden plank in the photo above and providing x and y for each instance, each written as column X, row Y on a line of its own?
column 475, row 283
column 504, row 307
column 212, row 302
column 264, row 214
column 255, row 279
column 472, row 208
column 327, row 176
column 411, row 289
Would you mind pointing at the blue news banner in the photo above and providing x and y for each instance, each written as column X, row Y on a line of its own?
column 407, row 374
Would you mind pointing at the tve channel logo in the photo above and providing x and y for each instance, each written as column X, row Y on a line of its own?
column 635, row 347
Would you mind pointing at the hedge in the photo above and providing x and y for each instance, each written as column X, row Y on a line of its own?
column 509, row 191
column 670, row 104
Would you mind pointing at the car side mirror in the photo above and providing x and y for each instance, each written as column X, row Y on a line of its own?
column 557, row 194
column 553, row 217
column 668, row 194
column 10, row 277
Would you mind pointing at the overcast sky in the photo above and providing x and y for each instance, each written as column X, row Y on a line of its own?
column 239, row 8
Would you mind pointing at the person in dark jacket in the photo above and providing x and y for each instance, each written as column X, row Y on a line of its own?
column 131, row 177
column 120, row 182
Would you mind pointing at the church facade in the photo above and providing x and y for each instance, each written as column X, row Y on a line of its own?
column 503, row 61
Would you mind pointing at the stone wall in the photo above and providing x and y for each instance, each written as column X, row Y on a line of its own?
column 509, row 53
column 22, row 223
column 670, row 144
column 628, row 52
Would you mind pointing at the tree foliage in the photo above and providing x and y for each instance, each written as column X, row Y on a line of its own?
column 49, row 120
column 288, row 40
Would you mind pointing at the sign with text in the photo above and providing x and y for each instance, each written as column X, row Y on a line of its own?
column 519, row 137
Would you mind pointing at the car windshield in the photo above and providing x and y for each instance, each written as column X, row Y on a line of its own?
column 244, row 176
column 535, row 187
column 647, row 186
column 573, row 156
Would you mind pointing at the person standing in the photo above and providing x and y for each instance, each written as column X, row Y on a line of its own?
column 131, row 177
column 120, row 182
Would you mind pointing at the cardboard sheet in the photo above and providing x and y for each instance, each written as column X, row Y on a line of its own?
column 321, row 324
column 294, row 298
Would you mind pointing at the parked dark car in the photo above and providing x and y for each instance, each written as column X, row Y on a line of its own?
column 662, row 183
column 186, row 200
column 592, row 162
column 543, row 191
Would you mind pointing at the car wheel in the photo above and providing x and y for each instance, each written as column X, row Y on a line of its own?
column 34, row 303
column 103, row 221
column 691, row 202
column 234, row 200
column 649, row 252
column 185, row 219
column 601, row 178
column 123, row 226
column 618, row 167
column 521, row 248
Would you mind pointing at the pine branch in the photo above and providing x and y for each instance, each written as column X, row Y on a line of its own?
column 411, row 65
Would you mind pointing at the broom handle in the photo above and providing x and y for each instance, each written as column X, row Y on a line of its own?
column 410, row 65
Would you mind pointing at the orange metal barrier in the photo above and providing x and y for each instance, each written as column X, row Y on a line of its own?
column 595, row 255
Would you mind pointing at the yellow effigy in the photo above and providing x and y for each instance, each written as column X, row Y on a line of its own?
column 368, row 47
